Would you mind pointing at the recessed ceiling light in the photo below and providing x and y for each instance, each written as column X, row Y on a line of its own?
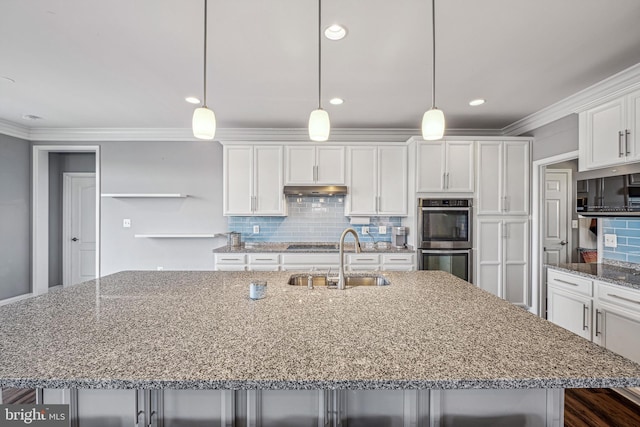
column 31, row 117
column 335, row 32
column 336, row 101
column 477, row 102
column 8, row 79
column 192, row 100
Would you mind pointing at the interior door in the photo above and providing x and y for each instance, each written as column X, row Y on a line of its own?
column 79, row 194
column 556, row 216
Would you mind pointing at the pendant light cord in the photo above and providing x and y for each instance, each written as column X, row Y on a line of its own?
column 433, row 38
column 205, row 55
column 319, row 53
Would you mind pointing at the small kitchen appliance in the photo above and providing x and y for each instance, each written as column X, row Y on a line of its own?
column 399, row 237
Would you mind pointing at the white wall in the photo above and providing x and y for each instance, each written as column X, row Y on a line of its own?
column 558, row 137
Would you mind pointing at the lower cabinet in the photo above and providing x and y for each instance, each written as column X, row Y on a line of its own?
column 607, row 314
column 502, row 258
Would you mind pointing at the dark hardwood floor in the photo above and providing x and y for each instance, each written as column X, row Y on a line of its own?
column 599, row 407
column 588, row 407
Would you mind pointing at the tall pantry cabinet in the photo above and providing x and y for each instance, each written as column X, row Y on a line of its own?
column 502, row 219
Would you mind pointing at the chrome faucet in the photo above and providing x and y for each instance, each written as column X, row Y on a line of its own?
column 344, row 234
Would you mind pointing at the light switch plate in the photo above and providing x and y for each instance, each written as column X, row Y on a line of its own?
column 610, row 241
column 382, row 229
column 126, row 223
column 574, row 223
column 256, row 229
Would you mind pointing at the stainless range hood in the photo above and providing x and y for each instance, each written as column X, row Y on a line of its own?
column 315, row 190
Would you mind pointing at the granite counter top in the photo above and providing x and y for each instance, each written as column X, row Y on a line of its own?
column 199, row 330
column 315, row 248
column 610, row 273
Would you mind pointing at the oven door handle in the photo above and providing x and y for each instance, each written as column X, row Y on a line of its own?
column 443, row 208
column 446, row 251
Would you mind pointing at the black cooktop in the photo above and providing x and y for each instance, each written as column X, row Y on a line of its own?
column 312, row 247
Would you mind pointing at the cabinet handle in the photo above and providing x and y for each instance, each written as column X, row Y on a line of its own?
column 505, row 230
column 444, row 180
column 623, row 298
column 398, row 259
column 584, row 316
column 627, row 132
column 565, row 282
column 598, row 313
column 621, row 151
column 263, row 259
column 138, row 410
column 447, row 181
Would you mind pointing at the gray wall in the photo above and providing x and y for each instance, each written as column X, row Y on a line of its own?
column 59, row 163
column 15, row 217
column 558, row 137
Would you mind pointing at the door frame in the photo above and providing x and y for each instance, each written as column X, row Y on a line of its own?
column 40, row 213
column 67, row 180
column 538, row 289
column 570, row 202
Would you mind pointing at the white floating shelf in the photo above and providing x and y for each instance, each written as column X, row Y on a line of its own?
column 145, row 195
column 174, row 236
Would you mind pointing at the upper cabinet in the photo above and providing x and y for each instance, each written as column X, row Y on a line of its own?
column 377, row 180
column 253, row 180
column 314, row 165
column 445, row 166
column 503, row 178
column 608, row 133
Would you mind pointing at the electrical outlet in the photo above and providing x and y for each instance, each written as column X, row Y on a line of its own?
column 256, row 229
column 365, row 229
column 126, row 223
column 611, row 240
column 382, row 229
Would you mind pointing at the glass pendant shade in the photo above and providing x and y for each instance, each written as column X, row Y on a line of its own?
column 204, row 123
column 433, row 125
column 319, row 125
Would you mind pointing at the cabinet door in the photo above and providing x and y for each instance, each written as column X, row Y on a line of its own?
column 490, row 175
column 238, row 180
column 600, row 140
column 569, row 310
column 193, row 408
column 269, row 199
column 516, row 261
column 489, row 256
column 618, row 329
column 286, row 408
column 299, row 164
column 430, row 168
column 392, row 181
column 459, row 171
column 633, row 125
column 330, row 165
column 516, row 177
column 98, row 408
column 363, row 178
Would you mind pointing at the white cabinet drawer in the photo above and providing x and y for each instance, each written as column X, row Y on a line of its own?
column 570, row 282
column 331, row 258
column 397, row 259
column 264, row 258
column 618, row 295
column 363, row 259
column 230, row 258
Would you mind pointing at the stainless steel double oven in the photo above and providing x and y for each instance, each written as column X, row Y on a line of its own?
column 445, row 236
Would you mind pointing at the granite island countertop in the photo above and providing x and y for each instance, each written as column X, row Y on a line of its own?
column 609, row 273
column 199, row 330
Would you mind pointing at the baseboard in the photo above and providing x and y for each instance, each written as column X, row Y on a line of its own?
column 631, row 393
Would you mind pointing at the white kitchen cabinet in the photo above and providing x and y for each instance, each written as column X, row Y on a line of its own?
column 314, row 165
column 310, row 261
column 502, row 258
column 608, row 133
column 286, row 407
column 194, row 408
column 445, row 166
column 570, row 302
column 253, row 180
column 617, row 320
column 503, row 178
column 377, row 180
column 97, row 408
column 398, row 262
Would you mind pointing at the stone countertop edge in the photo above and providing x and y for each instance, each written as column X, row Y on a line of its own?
column 282, row 248
column 621, row 280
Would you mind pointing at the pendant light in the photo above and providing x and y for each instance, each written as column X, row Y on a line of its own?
column 433, row 120
column 204, row 120
column 319, row 124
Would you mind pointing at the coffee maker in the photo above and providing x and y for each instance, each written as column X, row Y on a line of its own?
column 399, row 237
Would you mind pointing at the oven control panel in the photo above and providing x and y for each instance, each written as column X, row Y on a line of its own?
column 448, row 203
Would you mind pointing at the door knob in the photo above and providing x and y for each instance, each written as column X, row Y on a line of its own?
column 563, row 242
column 75, row 239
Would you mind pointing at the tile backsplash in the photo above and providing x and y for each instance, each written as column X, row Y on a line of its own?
column 310, row 219
column 628, row 239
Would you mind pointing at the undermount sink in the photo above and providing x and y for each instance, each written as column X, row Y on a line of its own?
column 355, row 280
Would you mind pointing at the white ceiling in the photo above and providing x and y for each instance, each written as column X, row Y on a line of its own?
column 130, row 63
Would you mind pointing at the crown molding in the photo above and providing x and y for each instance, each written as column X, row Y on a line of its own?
column 609, row 88
column 13, row 129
